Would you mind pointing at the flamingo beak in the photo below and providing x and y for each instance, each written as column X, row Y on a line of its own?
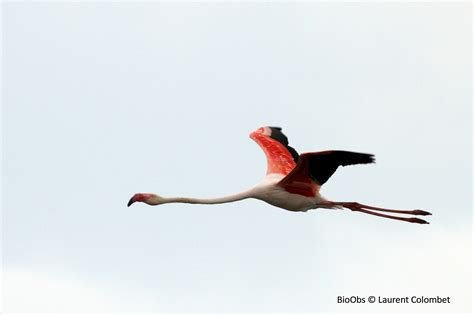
column 132, row 200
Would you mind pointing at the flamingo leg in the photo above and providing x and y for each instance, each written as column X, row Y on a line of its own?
column 354, row 206
column 411, row 220
column 362, row 206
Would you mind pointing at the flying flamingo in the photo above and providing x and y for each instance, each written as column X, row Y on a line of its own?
column 293, row 181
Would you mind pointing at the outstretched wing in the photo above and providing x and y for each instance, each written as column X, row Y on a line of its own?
column 318, row 167
column 281, row 158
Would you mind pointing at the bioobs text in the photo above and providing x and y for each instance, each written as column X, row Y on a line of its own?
column 350, row 299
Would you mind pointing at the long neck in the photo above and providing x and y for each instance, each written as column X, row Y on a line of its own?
column 225, row 199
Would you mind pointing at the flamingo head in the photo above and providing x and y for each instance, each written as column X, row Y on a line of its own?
column 150, row 199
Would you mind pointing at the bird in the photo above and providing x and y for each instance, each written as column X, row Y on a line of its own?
column 293, row 181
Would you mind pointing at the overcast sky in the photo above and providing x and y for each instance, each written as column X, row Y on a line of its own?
column 103, row 100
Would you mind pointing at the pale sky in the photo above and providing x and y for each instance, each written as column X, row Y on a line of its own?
column 103, row 100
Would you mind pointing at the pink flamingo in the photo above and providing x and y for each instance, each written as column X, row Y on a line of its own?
column 293, row 181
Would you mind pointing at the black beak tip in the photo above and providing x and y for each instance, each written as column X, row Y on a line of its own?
column 130, row 202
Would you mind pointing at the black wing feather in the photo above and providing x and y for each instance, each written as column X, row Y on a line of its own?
column 323, row 164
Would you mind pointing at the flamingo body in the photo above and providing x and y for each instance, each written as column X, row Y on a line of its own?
column 269, row 191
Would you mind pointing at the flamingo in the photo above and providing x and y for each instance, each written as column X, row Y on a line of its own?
column 293, row 181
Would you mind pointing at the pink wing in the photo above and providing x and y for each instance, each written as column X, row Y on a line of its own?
column 281, row 158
